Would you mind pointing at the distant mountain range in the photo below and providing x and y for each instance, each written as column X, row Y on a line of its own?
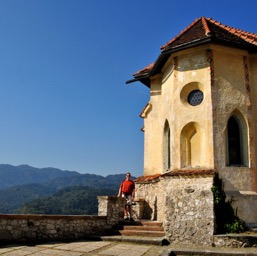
column 24, row 174
column 26, row 189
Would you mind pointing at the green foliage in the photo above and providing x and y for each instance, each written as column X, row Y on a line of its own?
column 237, row 226
column 217, row 193
column 78, row 200
column 12, row 198
column 226, row 219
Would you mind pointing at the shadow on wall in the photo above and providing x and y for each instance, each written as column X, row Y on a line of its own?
column 226, row 217
column 150, row 213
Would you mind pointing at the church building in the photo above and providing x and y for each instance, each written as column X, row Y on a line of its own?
column 200, row 123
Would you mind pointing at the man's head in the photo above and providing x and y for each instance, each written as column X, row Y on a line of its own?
column 128, row 175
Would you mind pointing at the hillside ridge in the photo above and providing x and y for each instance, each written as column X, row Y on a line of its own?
column 26, row 189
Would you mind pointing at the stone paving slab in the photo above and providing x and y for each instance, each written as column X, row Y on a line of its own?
column 212, row 251
column 89, row 248
column 103, row 248
column 126, row 250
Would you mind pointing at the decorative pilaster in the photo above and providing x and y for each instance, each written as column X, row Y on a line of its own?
column 214, row 101
column 175, row 66
column 209, row 55
column 249, row 116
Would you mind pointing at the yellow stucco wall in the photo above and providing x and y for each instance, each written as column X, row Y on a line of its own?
column 231, row 96
column 198, row 133
column 169, row 102
column 253, row 82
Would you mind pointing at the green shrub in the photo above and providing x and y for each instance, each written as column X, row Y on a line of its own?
column 237, row 226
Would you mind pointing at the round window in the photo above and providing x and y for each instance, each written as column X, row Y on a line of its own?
column 195, row 97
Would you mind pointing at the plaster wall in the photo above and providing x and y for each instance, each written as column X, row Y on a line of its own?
column 231, row 96
column 228, row 79
column 153, row 131
column 244, row 203
column 168, row 98
column 253, row 84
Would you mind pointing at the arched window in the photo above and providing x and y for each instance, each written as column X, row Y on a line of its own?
column 190, row 145
column 237, row 146
column 234, row 142
column 166, row 147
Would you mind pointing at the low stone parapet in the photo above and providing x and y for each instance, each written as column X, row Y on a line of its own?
column 29, row 228
column 36, row 228
column 113, row 207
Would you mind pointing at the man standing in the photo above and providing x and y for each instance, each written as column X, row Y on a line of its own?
column 127, row 190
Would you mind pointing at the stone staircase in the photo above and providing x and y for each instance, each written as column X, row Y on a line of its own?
column 140, row 231
column 139, row 228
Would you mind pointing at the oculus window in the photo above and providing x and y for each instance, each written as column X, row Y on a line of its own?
column 195, row 97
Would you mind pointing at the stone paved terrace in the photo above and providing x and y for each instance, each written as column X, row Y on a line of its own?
column 102, row 248
column 90, row 248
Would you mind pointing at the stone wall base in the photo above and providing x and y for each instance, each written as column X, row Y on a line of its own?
column 235, row 241
column 183, row 204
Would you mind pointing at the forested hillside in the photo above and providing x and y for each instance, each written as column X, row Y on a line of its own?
column 25, row 189
column 79, row 200
column 12, row 198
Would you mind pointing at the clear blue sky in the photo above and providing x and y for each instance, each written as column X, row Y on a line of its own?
column 63, row 67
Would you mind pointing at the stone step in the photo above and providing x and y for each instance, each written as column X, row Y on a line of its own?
column 151, row 223
column 146, row 233
column 140, row 223
column 149, row 228
column 136, row 239
column 143, row 228
column 139, row 231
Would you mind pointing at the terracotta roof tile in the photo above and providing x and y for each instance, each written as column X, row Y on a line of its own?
column 186, row 34
column 199, row 31
column 204, row 27
column 147, row 178
column 145, row 70
column 188, row 172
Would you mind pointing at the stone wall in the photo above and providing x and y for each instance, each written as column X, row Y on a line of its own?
column 36, row 228
column 184, row 205
column 24, row 228
column 113, row 207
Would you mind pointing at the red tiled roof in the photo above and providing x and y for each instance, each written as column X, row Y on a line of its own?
column 189, row 172
column 207, row 27
column 147, row 178
column 146, row 69
column 202, row 30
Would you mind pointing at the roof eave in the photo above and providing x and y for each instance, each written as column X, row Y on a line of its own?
column 165, row 54
column 144, row 79
column 163, row 57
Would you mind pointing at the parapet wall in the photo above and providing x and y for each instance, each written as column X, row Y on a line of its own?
column 24, row 228
column 36, row 228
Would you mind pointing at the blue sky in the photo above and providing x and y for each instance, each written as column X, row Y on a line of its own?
column 63, row 67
